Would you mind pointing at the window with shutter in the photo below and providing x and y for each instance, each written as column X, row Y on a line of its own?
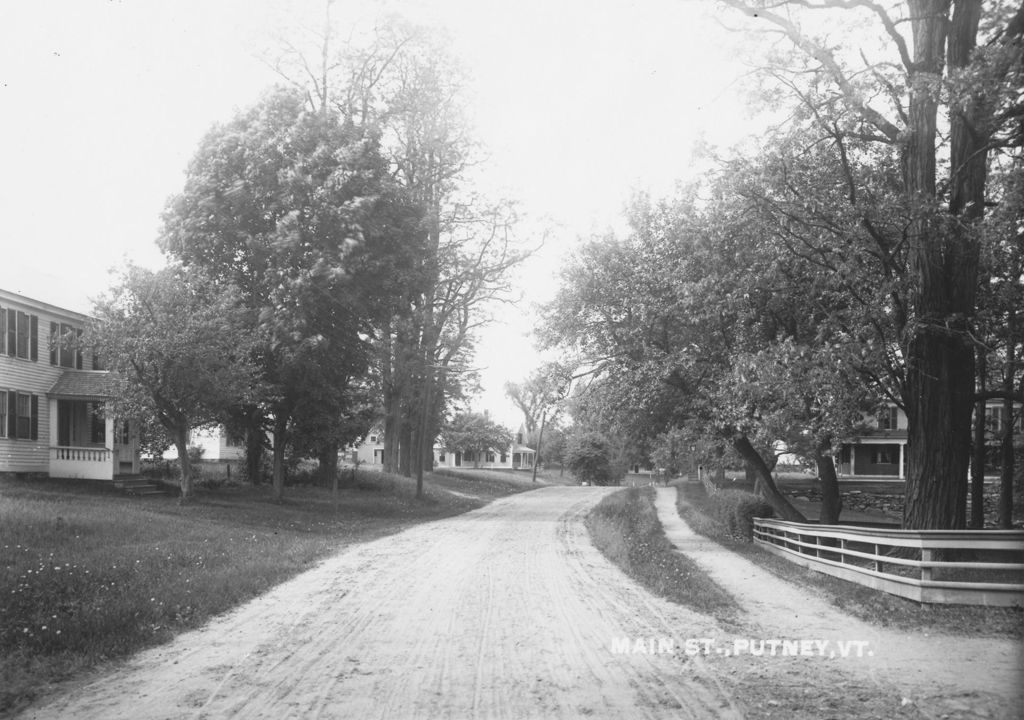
column 12, row 332
column 54, row 343
column 24, row 422
column 35, row 418
column 23, row 335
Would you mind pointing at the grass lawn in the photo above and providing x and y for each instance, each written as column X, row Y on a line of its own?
column 88, row 575
column 867, row 604
column 625, row 528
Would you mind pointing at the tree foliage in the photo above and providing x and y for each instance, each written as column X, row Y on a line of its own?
column 827, row 271
column 589, row 459
column 182, row 344
column 295, row 208
column 476, row 434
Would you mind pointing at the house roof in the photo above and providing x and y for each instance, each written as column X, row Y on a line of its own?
column 522, row 449
column 874, row 434
column 85, row 384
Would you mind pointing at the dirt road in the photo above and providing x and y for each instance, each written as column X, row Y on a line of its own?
column 505, row 612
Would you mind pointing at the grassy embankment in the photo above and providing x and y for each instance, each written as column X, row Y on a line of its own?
column 88, row 575
column 625, row 528
column 865, row 603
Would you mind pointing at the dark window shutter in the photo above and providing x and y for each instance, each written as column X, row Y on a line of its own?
column 12, row 332
column 3, row 329
column 54, row 341
column 34, row 337
column 78, row 350
column 12, row 414
column 35, row 417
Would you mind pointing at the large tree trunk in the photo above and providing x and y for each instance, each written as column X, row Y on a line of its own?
column 1006, row 470
column 750, row 472
column 939, row 404
column 280, row 442
column 180, row 434
column 831, row 498
column 327, row 464
column 944, row 265
column 254, row 452
column 768, row 489
column 978, row 459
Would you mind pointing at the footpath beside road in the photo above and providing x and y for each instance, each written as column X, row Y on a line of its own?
column 944, row 676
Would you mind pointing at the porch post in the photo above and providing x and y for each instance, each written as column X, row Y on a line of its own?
column 110, row 440
column 903, row 448
column 52, row 439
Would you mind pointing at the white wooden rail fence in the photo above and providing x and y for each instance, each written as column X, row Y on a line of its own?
column 908, row 563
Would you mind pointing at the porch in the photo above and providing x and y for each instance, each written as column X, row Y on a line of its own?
column 86, row 441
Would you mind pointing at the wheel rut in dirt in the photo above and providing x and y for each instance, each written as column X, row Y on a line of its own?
column 505, row 612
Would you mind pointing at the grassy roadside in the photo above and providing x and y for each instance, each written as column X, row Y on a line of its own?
column 624, row 527
column 88, row 575
column 869, row 605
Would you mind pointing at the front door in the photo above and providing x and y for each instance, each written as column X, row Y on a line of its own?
column 124, row 456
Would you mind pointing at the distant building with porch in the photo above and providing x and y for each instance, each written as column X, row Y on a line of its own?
column 516, row 456
column 880, row 452
column 53, row 397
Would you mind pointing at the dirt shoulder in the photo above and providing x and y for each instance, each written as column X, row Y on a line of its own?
column 939, row 676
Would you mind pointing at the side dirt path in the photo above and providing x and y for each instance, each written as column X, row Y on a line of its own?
column 504, row 612
column 938, row 677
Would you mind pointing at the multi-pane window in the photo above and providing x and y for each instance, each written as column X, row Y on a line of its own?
column 994, row 419
column 19, row 333
column 64, row 350
column 888, row 418
column 23, row 413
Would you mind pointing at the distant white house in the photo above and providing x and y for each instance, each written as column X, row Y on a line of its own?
column 516, row 456
column 216, row 443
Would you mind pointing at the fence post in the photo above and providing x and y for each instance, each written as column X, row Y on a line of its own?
column 926, row 556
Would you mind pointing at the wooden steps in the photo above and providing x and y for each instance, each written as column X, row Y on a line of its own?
column 137, row 485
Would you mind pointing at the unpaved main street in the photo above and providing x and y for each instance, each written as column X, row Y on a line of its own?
column 505, row 612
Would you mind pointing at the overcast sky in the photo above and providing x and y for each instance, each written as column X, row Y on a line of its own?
column 578, row 103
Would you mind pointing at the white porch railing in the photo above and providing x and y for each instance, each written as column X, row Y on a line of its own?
column 93, row 463
column 85, row 454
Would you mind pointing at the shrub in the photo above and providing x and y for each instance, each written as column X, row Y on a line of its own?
column 589, row 460
column 736, row 510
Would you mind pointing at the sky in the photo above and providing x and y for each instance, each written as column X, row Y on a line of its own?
column 577, row 104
